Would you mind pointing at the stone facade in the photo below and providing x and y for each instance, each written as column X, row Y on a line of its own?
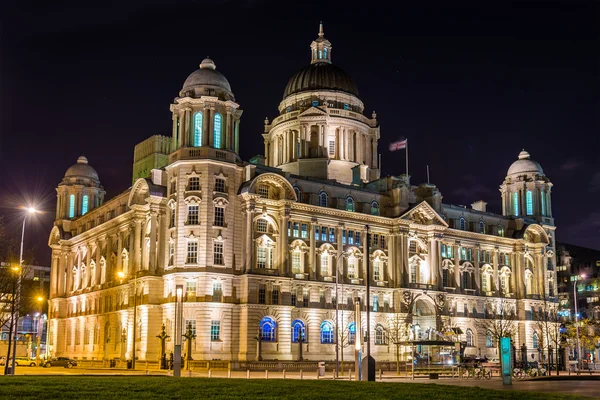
column 257, row 247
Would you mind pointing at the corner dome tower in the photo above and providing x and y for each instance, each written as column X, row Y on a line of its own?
column 79, row 191
column 207, row 81
column 526, row 190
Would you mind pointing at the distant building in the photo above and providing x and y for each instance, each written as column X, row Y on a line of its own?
column 574, row 261
column 257, row 245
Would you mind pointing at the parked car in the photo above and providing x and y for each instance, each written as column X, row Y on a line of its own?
column 60, row 362
column 20, row 361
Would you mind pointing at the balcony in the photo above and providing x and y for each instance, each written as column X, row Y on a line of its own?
column 423, row 286
column 203, row 152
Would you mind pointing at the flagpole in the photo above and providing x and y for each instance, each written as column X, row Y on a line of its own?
column 427, row 173
column 406, row 148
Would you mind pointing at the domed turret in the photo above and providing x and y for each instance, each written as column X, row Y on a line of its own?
column 526, row 190
column 207, row 81
column 79, row 191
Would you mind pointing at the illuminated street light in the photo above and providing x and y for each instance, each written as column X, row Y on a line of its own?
column 582, row 276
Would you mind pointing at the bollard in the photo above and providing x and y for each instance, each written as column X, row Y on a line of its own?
column 284, row 374
column 190, row 373
column 301, row 374
column 229, row 373
column 209, row 373
column 266, row 374
column 147, row 372
column 247, row 374
column 380, row 374
column 317, row 373
column 350, row 375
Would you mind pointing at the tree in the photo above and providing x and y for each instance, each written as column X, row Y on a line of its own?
column 589, row 334
column 499, row 321
column 344, row 336
column 397, row 328
column 547, row 325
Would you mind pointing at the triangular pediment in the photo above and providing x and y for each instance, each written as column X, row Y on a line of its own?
column 424, row 214
column 312, row 111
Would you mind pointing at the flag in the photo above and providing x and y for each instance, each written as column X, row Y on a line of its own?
column 398, row 145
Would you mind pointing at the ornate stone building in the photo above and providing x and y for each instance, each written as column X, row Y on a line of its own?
column 256, row 246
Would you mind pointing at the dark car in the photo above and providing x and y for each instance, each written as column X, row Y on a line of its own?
column 60, row 362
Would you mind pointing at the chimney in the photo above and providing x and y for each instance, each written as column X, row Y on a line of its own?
column 479, row 205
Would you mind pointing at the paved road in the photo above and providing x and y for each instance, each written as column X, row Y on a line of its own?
column 579, row 387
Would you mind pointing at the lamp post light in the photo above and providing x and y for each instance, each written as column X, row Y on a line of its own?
column 576, row 319
column 17, row 298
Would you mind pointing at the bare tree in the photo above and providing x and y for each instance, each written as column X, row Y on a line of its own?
column 547, row 325
column 344, row 337
column 499, row 321
column 397, row 328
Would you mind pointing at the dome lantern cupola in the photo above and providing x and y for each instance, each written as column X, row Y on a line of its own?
column 79, row 191
column 321, row 48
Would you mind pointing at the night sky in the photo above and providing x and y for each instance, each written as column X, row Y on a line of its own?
column 469, row 84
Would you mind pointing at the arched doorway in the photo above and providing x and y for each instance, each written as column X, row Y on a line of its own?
column 424, row 319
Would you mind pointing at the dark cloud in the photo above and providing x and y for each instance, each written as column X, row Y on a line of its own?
column 594, row 185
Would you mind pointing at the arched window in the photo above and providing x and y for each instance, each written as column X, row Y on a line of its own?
column 298, row 193
column 515, row 203
column 481, row 226
column 374, row 208
column 298, row 331
column 217, row 131
column 325, row 52
column 380, row 336
column 535, row 340
column 198, row 129
column 489, row 340
column 529, row 202
column 351, row 267
column 543, row 202
column 350, row 204
column 351, row 332
column 325, row 263
column 327, row 334
column 84, row 204
column 470, row 338
column 500, row 230
column 72, row 206
column 463, row 224
column 377, row 269
column 268, row 330
column 323, row 199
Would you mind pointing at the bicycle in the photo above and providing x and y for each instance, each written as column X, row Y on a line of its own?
column 483, row 373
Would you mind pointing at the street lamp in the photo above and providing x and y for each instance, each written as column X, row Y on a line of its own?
column 337, row 302
column 17, row 299
column 121, row 275
column 576, row 319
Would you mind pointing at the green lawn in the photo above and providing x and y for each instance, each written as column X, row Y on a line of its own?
column 123, row 387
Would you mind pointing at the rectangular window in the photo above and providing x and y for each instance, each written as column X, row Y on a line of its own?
column 190, row 288
column 352, row 267
column 324, row 233
column 192, row 215
column 194, row 183
column 317, row 233
column 219, row 216
column 218, row 253
column 217, row 290
column 190, row 324
column 332, row 147
column 261, row 257
column 263, row 191
column 296, row 264
column 192, row 253
column 261, row 225
column 377, row 265
column 344, row 233
column 262, row 295
column 357, row 238
column 296, row 230
column 305, row 298
column 289, row 228
column 84, row 205
column 293, row 297
column 444, row 251
column 350, row 237
column 331, row 235
column 375, row 303
column 304, row 231
column 72, row 206
column 220, row 185
column 171, row 253
column 275, row 296
column 215, row 331
column 375, row 241
column 382, row 241
column 315, row 103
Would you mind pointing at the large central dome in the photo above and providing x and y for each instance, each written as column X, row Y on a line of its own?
column 320, row 76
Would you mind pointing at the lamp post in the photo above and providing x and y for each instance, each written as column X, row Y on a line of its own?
column 337, row 308
column 178, row 328
column 17, row 299
column 576, row 319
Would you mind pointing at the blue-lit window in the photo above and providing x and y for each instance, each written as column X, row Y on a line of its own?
column 543, row 201
column 315, row 103
column 349, row 204
column 489, row 340
column 268, row 330
column 327, row 334
column 535, row 340
column 529, row 202
column 298, row 331
column 375, row 303
column 84, row 204
column 500, row 230
column 288, row 109
column 515, row 203
column 463, row 224
column 198, row 129
column 357, row 238
column 481, row 227
column 217, row 131
column 344, row 233
column 351, row 332
column 346, row 107
column 323, row 199
column 72, row 206
column 350, row 237
column 320, row 54
column 325, row 52
column 332, row 235
column 374, row 208
column 323, row 233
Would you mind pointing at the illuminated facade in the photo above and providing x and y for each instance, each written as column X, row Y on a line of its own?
column 256, row 246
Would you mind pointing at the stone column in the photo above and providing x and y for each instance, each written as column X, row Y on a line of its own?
column 153, row 234
column 340, row 250
column 433, row 262
column 391, row 261
column 457, row 285
column 211, row 127
column 227, row 144
column 476, row 273
column 100, row 246
column 137, row 236
column 312, row 264
column 540, row 272
column 440, row 285
column 236, row 130
column 54, row 269
column 248, row 237
column 205, row 124
column 495, row 269
column 284, row 247
column 70, row 278
column 404, row 259
column 267, row 155
column 119, row 266
column 174, row 138
column 163, row 241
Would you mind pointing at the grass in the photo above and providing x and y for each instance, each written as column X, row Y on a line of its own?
column 156, row 387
